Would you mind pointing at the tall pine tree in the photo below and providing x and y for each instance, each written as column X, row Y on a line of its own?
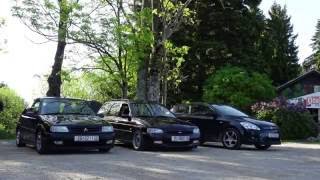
column 316, row 45
column 280, row 50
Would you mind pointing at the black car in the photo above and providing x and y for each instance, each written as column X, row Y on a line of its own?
column 149, row 125
column 54, row 123
column 222, row 123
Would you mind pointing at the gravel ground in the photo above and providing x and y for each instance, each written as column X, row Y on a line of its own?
column 288, row 161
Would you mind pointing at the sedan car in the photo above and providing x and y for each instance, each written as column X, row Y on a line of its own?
column 222, row 123
column 149, row 125
column 56, row 123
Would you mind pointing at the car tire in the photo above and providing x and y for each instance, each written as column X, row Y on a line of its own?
column 231, row 139
column 19, row 141
column 104, row 150
column 262, row 147
column 41, row 146
column 138, row 141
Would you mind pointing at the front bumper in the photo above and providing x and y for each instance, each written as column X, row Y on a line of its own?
column 261, row 137
column 164, row 140
column 53, row 140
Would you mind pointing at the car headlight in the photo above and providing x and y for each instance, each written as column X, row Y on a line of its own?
column 248, row 125
column 154, row 131
column 107, row 129
column 196, row 131
column 59, row 129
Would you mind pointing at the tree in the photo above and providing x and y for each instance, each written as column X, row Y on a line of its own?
column 281, row 52
column 51, row 19
column 167, row 18
column 225, row 32
column 237, row 87
column 118, row 41
column 316, row 45
column 3, row 40
column 12, row 105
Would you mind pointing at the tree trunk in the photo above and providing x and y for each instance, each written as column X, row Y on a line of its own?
column 142, row 82
column 124, row 89
column 54, row 79
column 154, row 76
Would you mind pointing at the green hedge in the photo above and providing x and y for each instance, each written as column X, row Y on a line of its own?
column 295, row 122
column 13, row 105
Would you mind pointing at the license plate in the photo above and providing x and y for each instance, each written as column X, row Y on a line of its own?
column 180, row 138
column 273, row 135
column 86, row 138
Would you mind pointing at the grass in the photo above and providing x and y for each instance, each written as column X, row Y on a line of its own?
column 6, row 135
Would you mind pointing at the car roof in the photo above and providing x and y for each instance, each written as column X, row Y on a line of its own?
column 66, row 98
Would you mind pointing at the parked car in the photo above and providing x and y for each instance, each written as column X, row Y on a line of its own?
column 222, row 123
column 63, row 123
column 149, row 125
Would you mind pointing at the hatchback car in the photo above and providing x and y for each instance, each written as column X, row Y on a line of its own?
column 149, row 125
column 222, row 123
column 56, row 123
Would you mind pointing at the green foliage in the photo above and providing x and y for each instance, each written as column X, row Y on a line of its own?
column 237, row 87
column 13, row 106
column 295, row 122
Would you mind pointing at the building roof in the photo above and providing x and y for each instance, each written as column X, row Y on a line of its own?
column 299, row 78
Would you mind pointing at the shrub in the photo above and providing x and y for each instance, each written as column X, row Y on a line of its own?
column 13, row 105
column 237, row 87
column 295, row 121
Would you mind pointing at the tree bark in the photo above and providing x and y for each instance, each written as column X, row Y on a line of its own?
column 142, row 82
column 54, row 79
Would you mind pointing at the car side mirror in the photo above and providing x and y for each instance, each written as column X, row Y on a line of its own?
column 30, row 111
column 100, row 115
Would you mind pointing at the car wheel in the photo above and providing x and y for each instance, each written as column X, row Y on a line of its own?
column 104, row 150
column 138, row 141
column 231, row 139
column 262, row 147
column 19, row 141
column 40, row 143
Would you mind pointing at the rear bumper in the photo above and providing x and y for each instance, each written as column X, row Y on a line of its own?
column 261, row 137
column 66, row 141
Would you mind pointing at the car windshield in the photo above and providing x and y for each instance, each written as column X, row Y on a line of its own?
column 228, row 111
column 66, row 106
column 149, row 110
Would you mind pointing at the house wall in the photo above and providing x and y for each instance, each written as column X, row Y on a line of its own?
column 301, row 87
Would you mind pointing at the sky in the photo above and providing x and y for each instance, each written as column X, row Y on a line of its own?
column 24, row 58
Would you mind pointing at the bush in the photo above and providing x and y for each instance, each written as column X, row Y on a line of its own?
column 295, row 121
column 237, row 87
column 13, row 105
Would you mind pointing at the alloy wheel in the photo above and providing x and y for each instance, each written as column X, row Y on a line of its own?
column 137, row 140
column 231, row 139
column 18, row 137
column 39, row 142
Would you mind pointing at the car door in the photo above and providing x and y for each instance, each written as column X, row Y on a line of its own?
column 204, row 117
column 29, row 120
column 126, row 123
column 111, row 116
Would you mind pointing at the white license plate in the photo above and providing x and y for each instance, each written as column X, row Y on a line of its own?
column 273, row 135
column 86, row 138
column 180, row 138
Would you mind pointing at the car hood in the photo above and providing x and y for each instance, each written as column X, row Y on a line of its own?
column 162, row 122
column 73, row 120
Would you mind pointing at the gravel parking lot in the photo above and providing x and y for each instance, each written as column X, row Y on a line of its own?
column 288, row 161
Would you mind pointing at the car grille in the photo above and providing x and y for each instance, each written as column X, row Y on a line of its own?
column 177, row 132
column 84, row 129
column 270, row 128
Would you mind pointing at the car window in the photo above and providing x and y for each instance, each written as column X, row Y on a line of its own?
column 228, row 111
column 105, row 108
column 183, row 109
column 66, row 106
column 199, row 109
column 114, row 110
column 124, row 110
column 36, row 106
column 150, row 110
